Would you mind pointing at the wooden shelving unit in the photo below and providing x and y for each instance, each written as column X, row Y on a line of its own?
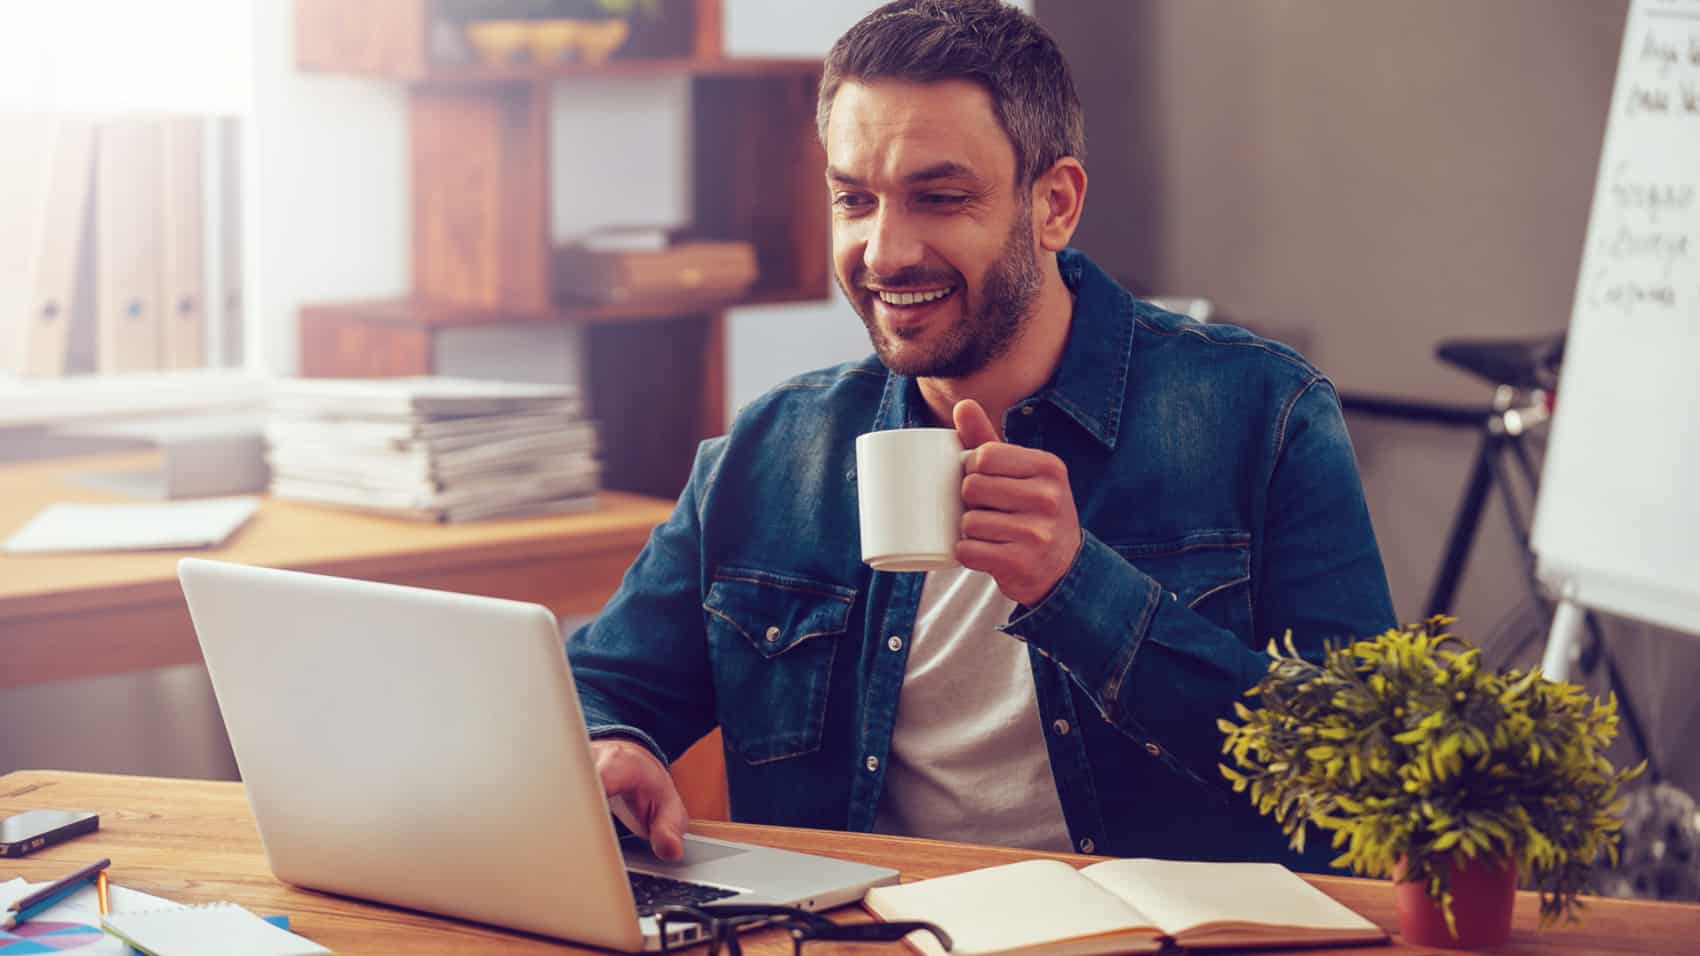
column 479, row 142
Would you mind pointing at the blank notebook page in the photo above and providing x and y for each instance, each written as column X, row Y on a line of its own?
column 216, row 929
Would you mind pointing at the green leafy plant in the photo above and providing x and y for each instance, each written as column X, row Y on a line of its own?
column 1403, row 746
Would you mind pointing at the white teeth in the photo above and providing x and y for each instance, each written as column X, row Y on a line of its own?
column 912, row 298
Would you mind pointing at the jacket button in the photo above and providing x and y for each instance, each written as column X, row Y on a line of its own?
column 1061, row 727
column 1153, row 750
column 1026, row 409
column 873, row 764
column 1087, row 846
column 894, row 642
column 772, row 634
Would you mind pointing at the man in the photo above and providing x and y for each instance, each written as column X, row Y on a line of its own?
column 1147, row 502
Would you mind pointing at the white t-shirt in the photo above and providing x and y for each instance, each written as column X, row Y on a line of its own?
column 968, row 758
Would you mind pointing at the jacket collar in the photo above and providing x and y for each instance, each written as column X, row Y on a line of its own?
column 1090, row 382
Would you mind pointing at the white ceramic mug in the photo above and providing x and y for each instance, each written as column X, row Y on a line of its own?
column 909, row 493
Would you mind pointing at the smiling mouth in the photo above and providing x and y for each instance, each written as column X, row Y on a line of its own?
column 902, row 300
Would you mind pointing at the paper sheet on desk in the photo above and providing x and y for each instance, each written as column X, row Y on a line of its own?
column 72, row 924
column 180, row 524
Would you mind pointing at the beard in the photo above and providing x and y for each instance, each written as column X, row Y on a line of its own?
column 991, row 321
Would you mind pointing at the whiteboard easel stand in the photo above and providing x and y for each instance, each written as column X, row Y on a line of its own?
column 1564, row 641
column 1564, row 648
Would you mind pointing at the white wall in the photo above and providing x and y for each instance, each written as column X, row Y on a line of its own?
column 112, row 55
column 327, row 190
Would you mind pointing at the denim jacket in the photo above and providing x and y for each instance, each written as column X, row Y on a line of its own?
column 1221, row 506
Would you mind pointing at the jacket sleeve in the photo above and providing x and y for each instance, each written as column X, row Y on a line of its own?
column 1161, row 673
column 641, row 666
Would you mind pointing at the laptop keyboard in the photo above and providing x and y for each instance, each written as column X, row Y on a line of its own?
column 653, row 892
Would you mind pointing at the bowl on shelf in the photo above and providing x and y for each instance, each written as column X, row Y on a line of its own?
column 499, row 42
column 547, row 42
column 598, row 39
column 552, row 41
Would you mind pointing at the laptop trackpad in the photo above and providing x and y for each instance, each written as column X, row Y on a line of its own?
column 697, row 852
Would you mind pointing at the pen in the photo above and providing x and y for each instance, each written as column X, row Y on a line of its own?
column 50, row 894
column 100, row 891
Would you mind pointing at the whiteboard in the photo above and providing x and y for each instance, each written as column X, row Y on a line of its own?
column 1617, row 519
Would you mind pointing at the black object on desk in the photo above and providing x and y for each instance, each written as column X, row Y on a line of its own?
column 35, row 829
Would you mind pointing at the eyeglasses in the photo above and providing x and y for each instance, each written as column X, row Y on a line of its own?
column 722, row 923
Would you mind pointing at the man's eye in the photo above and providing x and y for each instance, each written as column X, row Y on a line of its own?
column 943, row 200
column 850, row 201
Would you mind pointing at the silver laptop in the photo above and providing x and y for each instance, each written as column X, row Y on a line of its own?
column 426, row 749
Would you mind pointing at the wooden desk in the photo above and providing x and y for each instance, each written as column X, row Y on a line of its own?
column 195, row 842
column 66, row 616
column 69, row 616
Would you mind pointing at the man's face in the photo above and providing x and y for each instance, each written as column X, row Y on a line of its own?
column 932, row 242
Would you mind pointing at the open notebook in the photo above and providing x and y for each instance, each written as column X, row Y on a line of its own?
column 210, row 929
column 1048, row 908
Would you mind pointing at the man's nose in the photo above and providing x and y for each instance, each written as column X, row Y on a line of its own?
column 892, row 245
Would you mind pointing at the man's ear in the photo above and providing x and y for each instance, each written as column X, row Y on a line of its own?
column 1059, row 193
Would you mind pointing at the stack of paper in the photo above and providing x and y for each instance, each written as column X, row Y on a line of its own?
column 440, row 449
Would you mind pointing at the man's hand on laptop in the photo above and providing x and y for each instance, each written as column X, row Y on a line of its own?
column 641, row 793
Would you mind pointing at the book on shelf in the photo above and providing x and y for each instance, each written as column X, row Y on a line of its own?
column 1049, row 908
column 686, row 275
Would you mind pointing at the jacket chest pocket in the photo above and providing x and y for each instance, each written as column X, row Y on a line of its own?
column 1207, row 571
column 772, row 638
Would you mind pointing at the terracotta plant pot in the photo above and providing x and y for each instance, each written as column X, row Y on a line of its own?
column 1482, row 896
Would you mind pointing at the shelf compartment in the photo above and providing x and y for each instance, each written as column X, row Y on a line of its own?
column 480, row 160
column 758, row 173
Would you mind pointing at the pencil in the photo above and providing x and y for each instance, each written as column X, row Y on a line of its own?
column 100, row 890
column 48, row 895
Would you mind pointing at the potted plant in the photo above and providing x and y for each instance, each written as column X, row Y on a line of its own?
column 1453, row 779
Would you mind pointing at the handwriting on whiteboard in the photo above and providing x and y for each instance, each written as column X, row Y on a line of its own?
column 1643, row 260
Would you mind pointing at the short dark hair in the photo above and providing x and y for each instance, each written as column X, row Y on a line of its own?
column 984, row 41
